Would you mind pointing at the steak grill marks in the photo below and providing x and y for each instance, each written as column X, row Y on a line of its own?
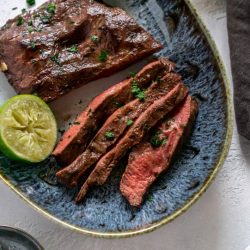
column 53, row 51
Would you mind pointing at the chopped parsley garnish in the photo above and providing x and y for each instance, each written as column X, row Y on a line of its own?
column 30, row 22
column 30, row 29
column 137, row 91
column 156, row 140
column 141, row 95
column 109, row 135
column 129, row 122
column 51, row 8
column 73, row 49
column 94, row 39
column 76, row 123
column 32, row 44
column 132, row 74
column 55, row 59
column 45, row 19
column 103, row 56
column 20, row 21
column 23, row 10
column 30, row 2
column 150, row 198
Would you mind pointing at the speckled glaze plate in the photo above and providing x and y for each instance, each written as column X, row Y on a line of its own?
column 105, row 212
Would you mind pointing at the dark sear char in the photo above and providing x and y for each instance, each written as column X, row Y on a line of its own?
column 133, row 136
column 77, row 137
column 147, row 161
column 114, row 128
column 65, row 44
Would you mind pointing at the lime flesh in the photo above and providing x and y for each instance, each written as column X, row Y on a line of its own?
column 28, row 129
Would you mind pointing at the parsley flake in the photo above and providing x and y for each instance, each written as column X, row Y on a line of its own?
column 103, row 56
column 137, row 91
column 94, row 39
column 20, row 21
column 156, row 140
column 51, row 8
column 31, row 2
column 109, row 135
column 32, row 44
column 23, row 10
column 132, row 74
column 73, row 49
column 129, row 122
column 30, row 29
column 55, row 59
column 45, row 19
column 150, row 198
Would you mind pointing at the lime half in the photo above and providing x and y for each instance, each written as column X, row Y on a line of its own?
column 28, row 129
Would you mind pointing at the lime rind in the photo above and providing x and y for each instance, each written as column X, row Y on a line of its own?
column 28, row 129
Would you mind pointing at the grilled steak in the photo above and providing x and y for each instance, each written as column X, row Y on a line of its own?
column 114, row 127
column 78, row 136
column 147, row 161
column 134, row 135
column 65, row 44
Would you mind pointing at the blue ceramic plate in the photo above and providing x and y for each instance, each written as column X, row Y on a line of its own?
column 105, row 212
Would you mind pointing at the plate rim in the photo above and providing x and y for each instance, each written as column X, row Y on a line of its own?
column 24, row 234
column 194, row 198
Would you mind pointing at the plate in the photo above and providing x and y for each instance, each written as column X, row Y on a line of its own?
column 13, row 238
column 104, row 212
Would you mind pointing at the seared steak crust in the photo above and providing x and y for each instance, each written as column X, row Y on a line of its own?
column 65, row 44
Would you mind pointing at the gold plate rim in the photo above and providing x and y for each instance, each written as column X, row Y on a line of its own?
column 195, row 197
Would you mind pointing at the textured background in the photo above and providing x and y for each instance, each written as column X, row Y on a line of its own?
column 220, row 220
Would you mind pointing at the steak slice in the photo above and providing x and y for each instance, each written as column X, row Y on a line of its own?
column 77, row 137
column 147, row 162
column 115, row 126
column 134, row 135
column 65, row 44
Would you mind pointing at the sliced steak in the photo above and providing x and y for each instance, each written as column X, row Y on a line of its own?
column 77, row 137
column 149, row 159
column 114, row 128
column 134, row 135
column 65, row 44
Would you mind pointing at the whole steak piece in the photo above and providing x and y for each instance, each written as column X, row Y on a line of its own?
column 149, row 159
column 65, row 44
